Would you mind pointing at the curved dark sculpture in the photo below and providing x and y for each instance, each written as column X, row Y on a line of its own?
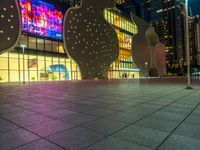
column 89, row 39
column 140, row 46
column 10, row 24
column 153, row 40
column 161, row 58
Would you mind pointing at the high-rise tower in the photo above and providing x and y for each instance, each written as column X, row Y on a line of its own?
column 167, row 16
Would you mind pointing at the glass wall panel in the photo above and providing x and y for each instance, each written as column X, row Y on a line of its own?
column 40, row 44
column 48, row 45
column 55, row 46
column 14, row 64
column 23, row 40
column 4, row 76
column 14, row 76
column 30, row 65
column 32, row 42
column 3, row 63
column 61, row 48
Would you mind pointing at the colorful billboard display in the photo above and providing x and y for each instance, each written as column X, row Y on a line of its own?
column 41, row 18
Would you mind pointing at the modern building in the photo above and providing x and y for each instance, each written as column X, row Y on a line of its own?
column 126, row 29
column 194, row 41
column 41, row 54
column 138, row 50
column 167, row 16
column 124, row 66
column 129, row 6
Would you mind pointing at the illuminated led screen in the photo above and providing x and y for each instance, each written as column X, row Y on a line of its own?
column 41, row 18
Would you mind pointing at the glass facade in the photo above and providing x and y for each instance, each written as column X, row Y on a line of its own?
column 120, row 22
column 40, row 60
column 39, row 54
column 124, row 66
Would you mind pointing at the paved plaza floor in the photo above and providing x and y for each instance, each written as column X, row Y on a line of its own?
column 143, row 114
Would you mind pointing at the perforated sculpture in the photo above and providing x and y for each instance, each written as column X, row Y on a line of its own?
column 89, row 39
column 10, row 24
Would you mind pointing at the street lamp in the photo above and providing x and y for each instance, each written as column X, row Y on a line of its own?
column 187, row 47
column 23, row 48
column 146, row 64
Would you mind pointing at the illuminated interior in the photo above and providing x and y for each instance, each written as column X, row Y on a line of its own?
column 41, row 18
column 32, row 68
column 39, row 54
column 40, row 60
column 43, row 57
column 120, row 1
column 124, row 66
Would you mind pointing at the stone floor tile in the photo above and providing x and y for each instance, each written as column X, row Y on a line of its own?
column 103, row 106
column 59, row 113
column 6, row 126
column 168, row 116
column 138, row 111
column 78, row 118
column 76, row 138
column 112, row 143
column 117, row 107
column 80, row 108
column 178, row 142
column 125, row 117
column 193, row 120
column 158, row 124
column 49, row 127
column 17, row 114
column 6, row 108
column 106, row 126
column 188, row 130
column 100, row 112
column 39, row 145
column 15, row 138
column 141, row 135
column 148, row 106
column 177, row 110
column 30, row 120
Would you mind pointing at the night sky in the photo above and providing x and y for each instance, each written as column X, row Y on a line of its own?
column 195, row 5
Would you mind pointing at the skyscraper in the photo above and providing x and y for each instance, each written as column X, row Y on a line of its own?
column 167, row 16
column 194, row 40
column 129, row 6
